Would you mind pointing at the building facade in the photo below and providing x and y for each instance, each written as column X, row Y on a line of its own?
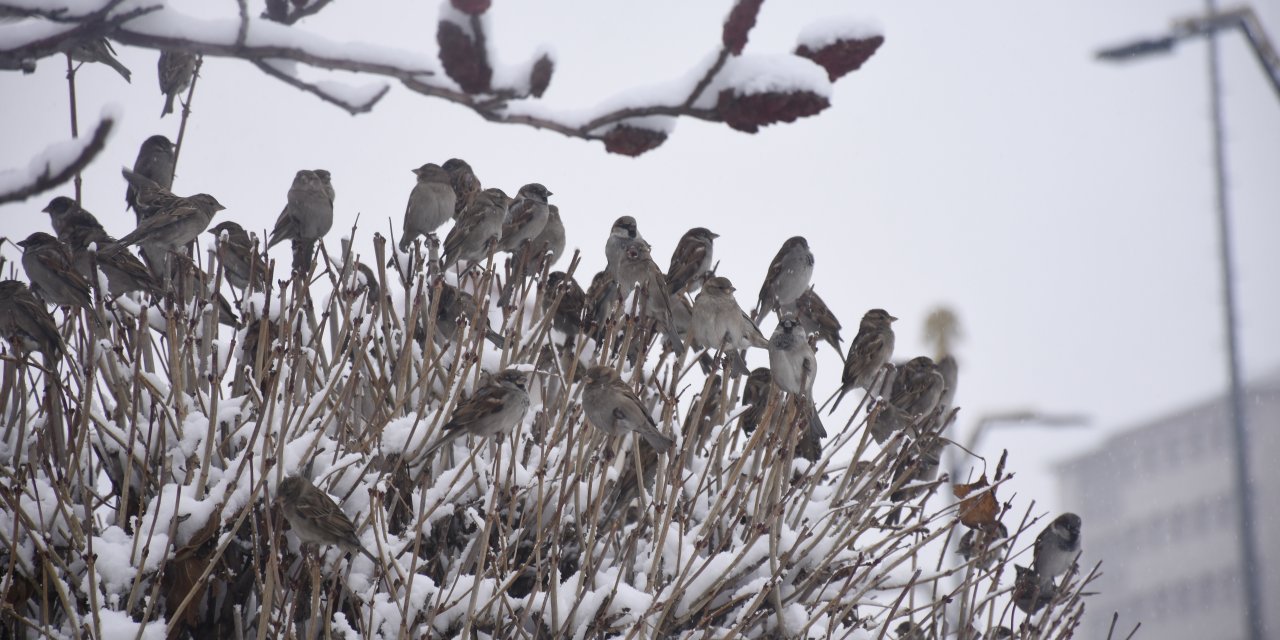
column 1160, row 511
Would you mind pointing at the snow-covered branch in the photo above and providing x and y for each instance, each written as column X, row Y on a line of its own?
column 55, row 165
column 745, row 92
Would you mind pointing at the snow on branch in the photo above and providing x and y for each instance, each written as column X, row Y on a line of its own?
column 55, row 165
column 744, row 92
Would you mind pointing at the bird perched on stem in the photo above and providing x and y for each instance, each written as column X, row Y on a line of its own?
column 573, row 301
column 26, row 323
column 431, row 204
column 493, row 411
column 788, row 277
column 1058, row 546
column 98, row 50
column 306, row 218
column 315, row 518
column 613, row 408
column 175, row 222
column 78, row 230
column 155, row 162
column 691, row 261
column 818, row 320
column 478, row 230
column 174, row 70
column 49, row 265
column 623, row 234
column 793, row 367
column 545, row 249
column 868, row 353
column 242, row 265
column 464, row 182
column 526, row 217
column 719, row 323
column 636, row 269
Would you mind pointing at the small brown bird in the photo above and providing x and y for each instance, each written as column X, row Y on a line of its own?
column 1032, row 591
column 155, row 162
column 788, row 276
column 691, row 261
column 1058, row 546
column 78, row 229
column 493, row 411
column 26, row 323
column 613, row 408
column 526, row 217
column 175, row 222
column 464, row 182
column 623, row 234
column 573, row 300
column 818, row 320
column 755, row 396
column 868, row 353
column 547, row 247
column 48, row 264
column 478, row 230
column 636, row 269
column 175, row 70
column 315, row 518
column 242, row 266
column 720, row 324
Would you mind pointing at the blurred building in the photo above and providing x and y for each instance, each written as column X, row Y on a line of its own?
column 1159, row 510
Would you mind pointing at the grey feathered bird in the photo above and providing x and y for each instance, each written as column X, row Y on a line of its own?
column 78, row 230
column 26, row 323
column 306, row 218
column 431, row 204
column 176, row 221
column 636, row 269
column 623, row 234
column 48, row 264
column 98, row 50
column 788, row 277
column 613, row 408
column 793, row 367
column 545, row 249
column 464, row 182
column 817, row 319
column 1058, row 546
column 155, row 162
column 720, row 324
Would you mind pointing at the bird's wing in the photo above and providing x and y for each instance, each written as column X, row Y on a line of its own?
column 688, row 256
column 487, row 402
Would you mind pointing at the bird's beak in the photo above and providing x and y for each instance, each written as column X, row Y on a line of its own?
column 732, row 288
column 714, row 235
column 550, row 194
column 892, row 319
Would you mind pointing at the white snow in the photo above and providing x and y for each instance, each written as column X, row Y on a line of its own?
column 830, row 30
column 118, row 625
column 770, row 73
column 55, row 158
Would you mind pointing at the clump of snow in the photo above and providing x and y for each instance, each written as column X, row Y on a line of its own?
column 772, row 73
column 119, row 625
column 821, row 33
column 55, row 158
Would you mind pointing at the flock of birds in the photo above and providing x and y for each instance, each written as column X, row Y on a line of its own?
column 687, row 304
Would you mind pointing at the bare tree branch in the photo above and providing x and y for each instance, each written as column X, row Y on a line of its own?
column 57, row 172
column 325, row 94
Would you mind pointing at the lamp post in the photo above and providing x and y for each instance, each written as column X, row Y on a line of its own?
column 1208, row 26
column 1019, row 418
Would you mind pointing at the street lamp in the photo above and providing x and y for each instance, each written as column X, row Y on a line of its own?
column 1018, row 418
column 1208, row 26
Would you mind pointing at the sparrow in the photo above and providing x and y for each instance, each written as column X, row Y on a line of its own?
column 306, row 218
column 48, row 264
column 478, row 230
column 573, row 301
column 691, row 261
column 613, row 408
column 601, row 296
column 98, row 50
column 949, row 369
column 526, row 217
column 868, row 353
column 431, row 204
column 1032, row 591
column 315, row 518
column 637, row 269
column 242, row 265
column 456, row 308
column 1058, row 546
column 755, row 395
column 326, row 184
column 26, row 323
column 464, row 182
column 622, row 235
column 77, row 229
column 793, row 367
column 788, row 276
column 493, row 411
column 978, row 543
column 817, row 319
column 155, row 162
column 720, row 324
column 918, row 387
column 175, row 221
column 546, row 248
column 174, row 70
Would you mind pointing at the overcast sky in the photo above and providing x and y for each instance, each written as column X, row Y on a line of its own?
column 982, row 159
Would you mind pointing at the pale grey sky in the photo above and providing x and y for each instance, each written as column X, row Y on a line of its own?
column 981, row 159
